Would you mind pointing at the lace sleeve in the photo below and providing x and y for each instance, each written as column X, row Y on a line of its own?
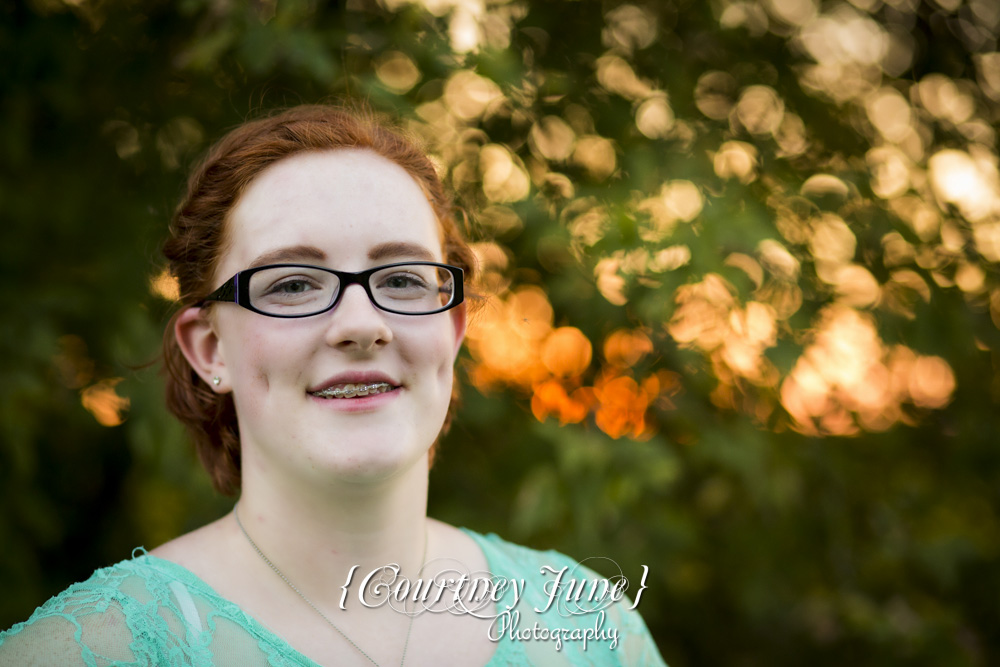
column 553, row 630
column 110, row 619
column 637, row 647
column 54, row 637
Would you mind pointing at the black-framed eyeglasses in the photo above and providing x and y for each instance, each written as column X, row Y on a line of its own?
column 301, row 290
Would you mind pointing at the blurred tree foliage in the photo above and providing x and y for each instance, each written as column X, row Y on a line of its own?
column 743, row 314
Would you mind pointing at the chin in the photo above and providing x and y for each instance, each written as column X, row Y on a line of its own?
column 372, row 465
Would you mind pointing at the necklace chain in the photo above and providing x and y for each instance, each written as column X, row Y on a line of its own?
column 317, row 609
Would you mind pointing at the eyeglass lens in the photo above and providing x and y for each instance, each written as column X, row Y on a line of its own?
column 300, row 290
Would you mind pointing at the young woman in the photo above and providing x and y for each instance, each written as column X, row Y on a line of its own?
column 322, row 280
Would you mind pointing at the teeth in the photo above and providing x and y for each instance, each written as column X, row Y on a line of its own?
column 352, row 390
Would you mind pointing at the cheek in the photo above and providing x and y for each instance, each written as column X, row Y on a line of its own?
column 444, row 353
column 430, row 350
column 256, row 357
column 441, row 345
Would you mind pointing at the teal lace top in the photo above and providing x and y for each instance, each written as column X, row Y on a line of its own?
column 150, row 611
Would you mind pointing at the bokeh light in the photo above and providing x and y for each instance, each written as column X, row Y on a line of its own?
column 104, row 403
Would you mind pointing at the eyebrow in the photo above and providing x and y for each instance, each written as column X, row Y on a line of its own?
column 289, row 254
column 392, row 249
column 400, row 249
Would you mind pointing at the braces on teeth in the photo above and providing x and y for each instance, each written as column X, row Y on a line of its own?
column 352, row 390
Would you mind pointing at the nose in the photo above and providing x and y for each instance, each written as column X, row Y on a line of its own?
column 356, row 324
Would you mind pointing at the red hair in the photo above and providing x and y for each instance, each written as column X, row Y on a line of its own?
column 197, row 235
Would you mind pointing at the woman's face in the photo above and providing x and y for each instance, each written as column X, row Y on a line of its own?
column 347, row 210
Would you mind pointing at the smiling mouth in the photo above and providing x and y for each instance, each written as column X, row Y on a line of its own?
column 354, row 390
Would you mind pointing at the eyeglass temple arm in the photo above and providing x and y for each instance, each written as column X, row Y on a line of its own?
column 228, row 291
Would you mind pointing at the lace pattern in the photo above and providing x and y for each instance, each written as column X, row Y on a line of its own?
column 149, row 611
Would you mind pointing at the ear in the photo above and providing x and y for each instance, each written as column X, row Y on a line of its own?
column 200, row 344
column 459, row 319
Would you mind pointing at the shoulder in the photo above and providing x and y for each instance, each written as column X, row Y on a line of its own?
column 122, row 584
column 501, row 553
column 111, row 616
column 200, row 550
column 565, row 603
column 538, row 566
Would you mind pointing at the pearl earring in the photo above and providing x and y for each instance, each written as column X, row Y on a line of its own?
column 216, row 380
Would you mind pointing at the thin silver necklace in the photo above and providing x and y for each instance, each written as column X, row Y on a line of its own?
column 315, row 608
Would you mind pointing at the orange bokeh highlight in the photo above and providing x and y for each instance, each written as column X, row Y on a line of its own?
column 165, row 286
column 931, row 382
column 621, row 406
column 513, row 343
column 101, row 401
column 506, row 337
column 709, row 318
column 550, row 398
column 566, row 352
column 847, row 380
column 625, row 348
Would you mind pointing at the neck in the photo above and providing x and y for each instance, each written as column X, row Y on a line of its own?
column 314, row 536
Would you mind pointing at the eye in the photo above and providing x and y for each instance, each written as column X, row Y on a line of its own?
column 291, row 286
column 402, row 281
